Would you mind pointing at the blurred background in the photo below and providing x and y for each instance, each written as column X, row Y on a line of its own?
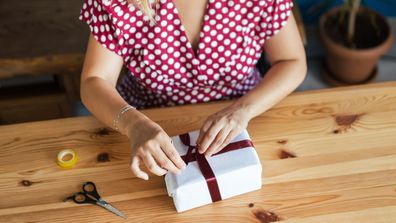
column 43, row 43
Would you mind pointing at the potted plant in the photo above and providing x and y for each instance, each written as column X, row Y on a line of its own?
column 354, row 38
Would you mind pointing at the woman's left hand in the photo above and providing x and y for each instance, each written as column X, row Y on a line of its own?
column 220, row 128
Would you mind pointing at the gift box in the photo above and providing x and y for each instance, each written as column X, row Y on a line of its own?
column 234, row 170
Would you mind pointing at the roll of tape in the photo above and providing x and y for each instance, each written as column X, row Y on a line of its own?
column 67, row 158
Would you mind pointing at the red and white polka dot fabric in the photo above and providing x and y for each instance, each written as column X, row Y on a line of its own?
column 163, row 68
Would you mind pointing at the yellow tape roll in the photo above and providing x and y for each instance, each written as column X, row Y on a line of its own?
column 67, row 158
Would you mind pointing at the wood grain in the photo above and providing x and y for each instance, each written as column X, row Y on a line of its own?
column 67, row 64
column 327, row 155
column 41, row 28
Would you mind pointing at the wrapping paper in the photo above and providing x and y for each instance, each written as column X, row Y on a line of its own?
column 236, row 171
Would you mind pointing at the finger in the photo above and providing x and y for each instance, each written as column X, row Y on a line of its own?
column 227, row 140
column 152, row 166
column 202, row 132
column 135, row 167
column 209, row 136
column 165, row 162
column 170, row 151
column 214, row 146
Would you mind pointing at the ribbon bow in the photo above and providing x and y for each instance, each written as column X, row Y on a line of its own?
column 203, row 164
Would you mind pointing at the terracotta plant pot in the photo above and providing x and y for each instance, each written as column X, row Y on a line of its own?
column 346, row 65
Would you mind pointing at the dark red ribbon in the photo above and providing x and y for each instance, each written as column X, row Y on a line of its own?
column 193, row 155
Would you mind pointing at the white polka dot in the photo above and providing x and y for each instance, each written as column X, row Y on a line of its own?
column 213, row 43
column 170, row 50
column 176, row 54
column 213, row 32
column 157, row 52
column 164, row 56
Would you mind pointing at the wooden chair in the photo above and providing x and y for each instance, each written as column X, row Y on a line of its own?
column 40, row 38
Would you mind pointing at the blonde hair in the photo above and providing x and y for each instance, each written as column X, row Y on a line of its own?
column 146, row 7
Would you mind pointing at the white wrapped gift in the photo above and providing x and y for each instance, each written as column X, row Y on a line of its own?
column 237, row 170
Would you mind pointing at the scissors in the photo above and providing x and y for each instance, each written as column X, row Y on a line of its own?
column 89, row 195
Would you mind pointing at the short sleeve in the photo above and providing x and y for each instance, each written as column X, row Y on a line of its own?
column 274, row 16
column 94, row 13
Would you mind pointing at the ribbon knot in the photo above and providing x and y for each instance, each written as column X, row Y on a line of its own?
column 203, row 164
column 193, row 154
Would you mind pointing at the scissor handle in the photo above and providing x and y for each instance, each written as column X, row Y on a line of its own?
column 81, row 198
column 90, row 188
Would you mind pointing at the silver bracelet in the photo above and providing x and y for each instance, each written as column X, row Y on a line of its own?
column 120, row 113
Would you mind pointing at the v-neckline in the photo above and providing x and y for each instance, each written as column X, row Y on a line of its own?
column 201, row 31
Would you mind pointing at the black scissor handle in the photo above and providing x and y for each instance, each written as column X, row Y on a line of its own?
column 81, row 198
column 90, row 188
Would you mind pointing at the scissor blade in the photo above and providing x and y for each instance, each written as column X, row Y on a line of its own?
column 110, row 208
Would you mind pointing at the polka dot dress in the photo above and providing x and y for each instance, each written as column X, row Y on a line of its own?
column 163, row 68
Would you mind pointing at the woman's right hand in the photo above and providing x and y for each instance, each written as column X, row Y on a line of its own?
column 153, row 147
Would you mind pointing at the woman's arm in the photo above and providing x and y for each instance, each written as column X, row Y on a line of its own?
column 288, row 69
column 150, row 144
column 98, row 81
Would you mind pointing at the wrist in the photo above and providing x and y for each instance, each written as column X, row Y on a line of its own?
column 247, row 108
column 127, row 121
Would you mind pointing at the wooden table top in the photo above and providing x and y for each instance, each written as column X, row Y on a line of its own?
column 327, row 155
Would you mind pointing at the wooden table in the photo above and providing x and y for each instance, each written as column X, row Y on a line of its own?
column 328, row 156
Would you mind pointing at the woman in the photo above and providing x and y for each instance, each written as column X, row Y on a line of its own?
column 184, row 52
